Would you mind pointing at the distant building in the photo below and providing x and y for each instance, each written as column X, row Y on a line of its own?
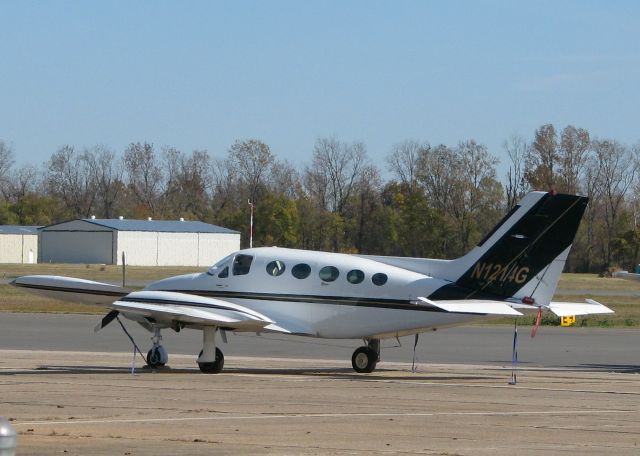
column 145, row 242
column 18, row 244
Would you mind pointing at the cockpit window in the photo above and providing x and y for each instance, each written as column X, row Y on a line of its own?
column 219, row 266
column 242, row 264
column 275, row 268
column 329, row 273
column 224, row 273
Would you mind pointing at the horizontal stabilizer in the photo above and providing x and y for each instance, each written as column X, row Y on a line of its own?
column 590, row 307
column 472, row 306
column 190, row 309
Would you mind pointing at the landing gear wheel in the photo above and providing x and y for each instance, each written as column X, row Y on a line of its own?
column 214, row 367
column 364, row 360
column 157, row 357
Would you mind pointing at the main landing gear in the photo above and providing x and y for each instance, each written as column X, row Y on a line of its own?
column 211, row 359
column 365, row 358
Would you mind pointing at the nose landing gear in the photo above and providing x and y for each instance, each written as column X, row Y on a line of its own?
column 157, row 356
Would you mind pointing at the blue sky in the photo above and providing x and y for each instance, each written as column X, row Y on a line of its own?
column 199, row 75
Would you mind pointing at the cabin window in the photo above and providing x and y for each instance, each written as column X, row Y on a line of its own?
column 329, row 273
column 379, row 279
column 242, row 264
column 355, row 276
column 224, row 273
column 275, row 268
column 301, row 271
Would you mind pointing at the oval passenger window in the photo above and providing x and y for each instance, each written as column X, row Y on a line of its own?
column 301, row 271
column 329, row 273
column 379, row 279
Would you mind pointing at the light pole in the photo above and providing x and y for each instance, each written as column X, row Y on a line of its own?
column 250, row 225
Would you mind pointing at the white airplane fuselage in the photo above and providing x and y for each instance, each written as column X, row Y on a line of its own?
column 324, row 308
column 514, row 269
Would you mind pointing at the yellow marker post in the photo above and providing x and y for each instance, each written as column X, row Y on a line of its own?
column 569, row 320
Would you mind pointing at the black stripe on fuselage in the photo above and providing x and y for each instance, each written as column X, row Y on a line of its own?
column 71, row 290
column 396, row 304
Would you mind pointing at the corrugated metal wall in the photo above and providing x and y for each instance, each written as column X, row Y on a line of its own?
column 140, row 247
column 214, row 247
column 76, row 247
column 174, row 249
column 79, row 241
column 18, row 248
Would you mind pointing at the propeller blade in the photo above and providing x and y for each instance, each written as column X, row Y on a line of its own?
column 108, row 318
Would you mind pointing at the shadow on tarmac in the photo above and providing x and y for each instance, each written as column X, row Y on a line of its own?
column 617, row 368
column 329, row 373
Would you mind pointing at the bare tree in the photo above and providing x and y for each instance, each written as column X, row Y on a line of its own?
column 224, row 184
column 574, row 146
column 6, row 162
column 437, row 172
column 543, row 159
column 252, row 160
column 23, row 181
column 69, row 177
column 618, row 168
column 517, row 149
column 143, row 174
column 107, row 172
column 403, row 161
column 461, row 184
column 336, row 170
column 285, row 179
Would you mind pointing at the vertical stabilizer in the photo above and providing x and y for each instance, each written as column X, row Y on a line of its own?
column 523, row 255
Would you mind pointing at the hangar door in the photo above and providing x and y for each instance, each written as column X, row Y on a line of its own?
column 90, row 247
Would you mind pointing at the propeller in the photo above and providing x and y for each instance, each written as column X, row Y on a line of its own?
column 108, row 318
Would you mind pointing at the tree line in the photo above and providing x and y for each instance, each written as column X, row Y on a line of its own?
column 438, row 201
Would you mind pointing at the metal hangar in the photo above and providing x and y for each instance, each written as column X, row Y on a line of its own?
column 145, row 242
column 18, row 244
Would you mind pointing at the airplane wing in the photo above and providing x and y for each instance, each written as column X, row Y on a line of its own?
column 590, row 307
column 472, row 306
column 167, row 307
column 158, row 305
column 71, row 289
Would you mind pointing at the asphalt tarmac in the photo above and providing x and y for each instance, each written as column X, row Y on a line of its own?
column 69, row 391
column 606, row 349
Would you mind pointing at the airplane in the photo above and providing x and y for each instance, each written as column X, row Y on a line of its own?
column 626, row 275
column 514, row 269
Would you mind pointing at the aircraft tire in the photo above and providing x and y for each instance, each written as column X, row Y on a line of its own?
column 214, row 367
column 157, row 357
column 364, row 360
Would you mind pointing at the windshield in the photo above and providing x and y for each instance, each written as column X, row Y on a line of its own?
column 219, row 266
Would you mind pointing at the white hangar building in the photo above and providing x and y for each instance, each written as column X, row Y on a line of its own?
column 18, row 244
column 145, row 242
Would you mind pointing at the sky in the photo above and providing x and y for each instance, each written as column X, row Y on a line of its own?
column 201, row 75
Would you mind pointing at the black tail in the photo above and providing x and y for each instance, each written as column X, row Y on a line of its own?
column 519, row 250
